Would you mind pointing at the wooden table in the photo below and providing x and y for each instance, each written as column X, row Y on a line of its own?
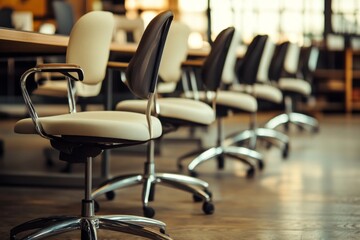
column 20, row 43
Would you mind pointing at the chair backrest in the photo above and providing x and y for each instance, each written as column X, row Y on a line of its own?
column 308, row 62
column 64, row 16
column 262, row 75
column 211, row 72
column 175, row 52
column 89, row 46
column 142, row 72
column 228, row 75
column 128, row 30
column 247, row 70
column 277, row 61
column 292, row 59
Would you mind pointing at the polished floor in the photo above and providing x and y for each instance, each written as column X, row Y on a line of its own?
column 314, row 194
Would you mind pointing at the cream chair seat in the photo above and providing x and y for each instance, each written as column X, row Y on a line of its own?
column 261, row 91
column 174, row 108
column 295, row 85
column 128, row 125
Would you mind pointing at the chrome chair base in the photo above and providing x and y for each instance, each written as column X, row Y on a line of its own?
column 197, row 187
column 51, row 226
column 242, row 154
column 150, row 178
column 88, row 222
column 298, row 119
column 269, row 135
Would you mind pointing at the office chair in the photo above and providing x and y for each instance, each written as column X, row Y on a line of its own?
column 231, row 101
column 81, row 136
column 258, row 85
column 295, row 84
column 173, row 113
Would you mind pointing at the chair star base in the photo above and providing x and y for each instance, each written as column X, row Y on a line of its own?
column 55, row 225
column 242, row 154
column 197, row 187
column 269, row 135
column 298, row 119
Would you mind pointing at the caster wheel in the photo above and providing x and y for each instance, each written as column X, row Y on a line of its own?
column 148, row 212
column 96, row 206
column 261, row 165
column 49, row 162
column 250, row 173
column 316, row 130
column 67, row 168
column 285, row 152
column 268, row 145
column 193, row 173
column 221, row 162
column 180, row 167
column 197, row 198
column 110, row 195
column 208, row 208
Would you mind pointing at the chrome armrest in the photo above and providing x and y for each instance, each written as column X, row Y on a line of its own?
column 65, row 69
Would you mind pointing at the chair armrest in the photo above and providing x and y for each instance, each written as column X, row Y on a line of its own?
column 62, row 68
column 65, row 69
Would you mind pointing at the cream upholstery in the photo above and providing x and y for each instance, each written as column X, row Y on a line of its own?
column 114, row 124
column 178, row 108
column 295, row 85
column 261, row 91
column 175, row 52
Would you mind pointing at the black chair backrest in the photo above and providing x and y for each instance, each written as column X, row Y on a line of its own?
column 142, row 72
column 212, row 69
column 276, row 67
column 308, row 62
column 64, row 17
column 5, row 17
column 247, row 70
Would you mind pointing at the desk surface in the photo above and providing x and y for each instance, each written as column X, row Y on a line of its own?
column 13, row 42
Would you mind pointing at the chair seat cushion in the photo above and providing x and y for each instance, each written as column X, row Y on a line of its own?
column 238, row 100
column 228, row 99
column 261, row 91
column 295, row 85
column 102, row 124
column 176, row 108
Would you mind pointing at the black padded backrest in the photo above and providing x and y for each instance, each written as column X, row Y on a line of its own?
column 308, row 62
column 247, row 70
column 142, row 72
column 276, row 67
column 212, row 69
